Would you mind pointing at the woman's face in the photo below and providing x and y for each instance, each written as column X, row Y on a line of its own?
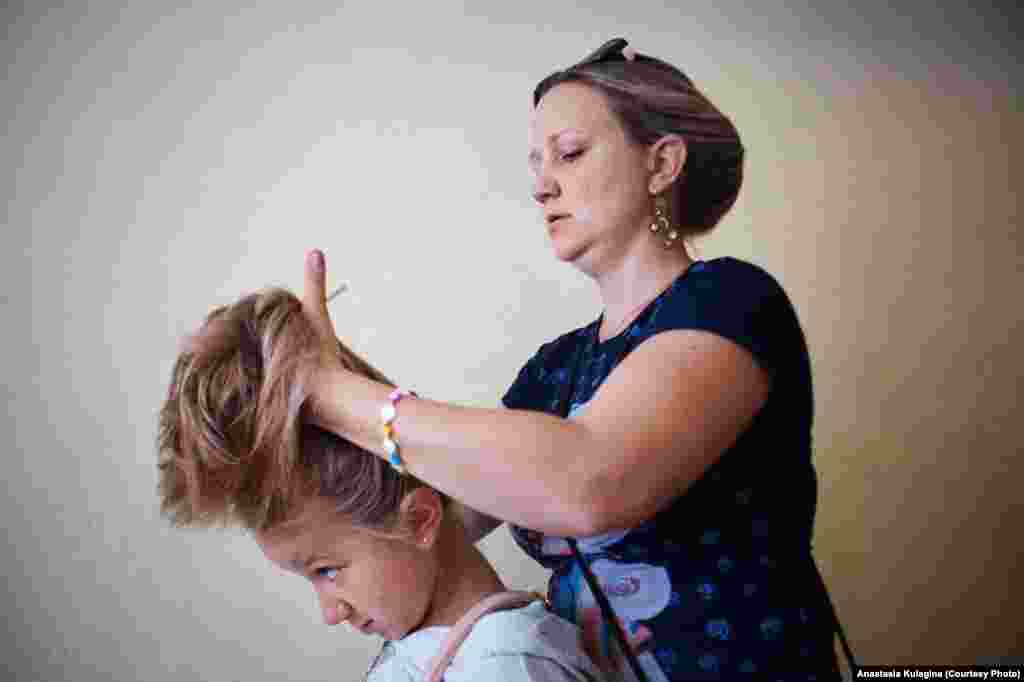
column 379, row 585
column 590, row 180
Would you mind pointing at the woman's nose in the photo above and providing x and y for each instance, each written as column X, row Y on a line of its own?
column 544, row 188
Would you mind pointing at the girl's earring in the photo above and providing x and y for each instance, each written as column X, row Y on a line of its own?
column 662, row 225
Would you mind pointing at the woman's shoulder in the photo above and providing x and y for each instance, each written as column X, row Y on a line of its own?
column 735, row 299
column 724, row 287
column 559, row 351
column 735, row 273
column 544, row 372
column 564, row 343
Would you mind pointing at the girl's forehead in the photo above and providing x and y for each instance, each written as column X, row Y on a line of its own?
column 295, row 549
column 316, row 523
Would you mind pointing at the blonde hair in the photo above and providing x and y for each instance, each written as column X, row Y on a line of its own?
column 232, row 445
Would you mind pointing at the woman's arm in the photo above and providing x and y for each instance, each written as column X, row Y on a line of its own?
column 660, row 419
column 477, row 525
column 664, row 415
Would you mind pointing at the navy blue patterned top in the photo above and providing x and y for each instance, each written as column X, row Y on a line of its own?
column 721, row 582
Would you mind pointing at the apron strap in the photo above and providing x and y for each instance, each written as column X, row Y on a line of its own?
column 459, row 632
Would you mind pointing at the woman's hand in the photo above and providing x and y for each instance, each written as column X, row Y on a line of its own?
column 321, row 408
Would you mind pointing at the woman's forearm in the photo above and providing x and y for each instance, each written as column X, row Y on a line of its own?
column 527, row 468
column 476, row 524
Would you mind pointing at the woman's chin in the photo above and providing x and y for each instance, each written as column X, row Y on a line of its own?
column 566, row 250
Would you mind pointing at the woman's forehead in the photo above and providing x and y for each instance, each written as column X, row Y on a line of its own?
column 569, row 106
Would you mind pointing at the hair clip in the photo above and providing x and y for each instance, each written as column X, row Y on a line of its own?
column 614, row 50
column 334, row 294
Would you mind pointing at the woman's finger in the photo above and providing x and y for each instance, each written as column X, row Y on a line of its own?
column 314, row 295
column 590, row 638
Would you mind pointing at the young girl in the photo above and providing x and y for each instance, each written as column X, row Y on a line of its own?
column 383, row 552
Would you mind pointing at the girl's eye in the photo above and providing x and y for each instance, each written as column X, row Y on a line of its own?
column 572, row 156
column 328, row 572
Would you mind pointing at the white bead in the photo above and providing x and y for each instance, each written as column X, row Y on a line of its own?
column 387, row 413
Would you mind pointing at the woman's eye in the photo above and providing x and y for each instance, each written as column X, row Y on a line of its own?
column 573, row 155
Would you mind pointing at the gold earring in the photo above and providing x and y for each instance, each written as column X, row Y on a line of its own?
column 662, row 225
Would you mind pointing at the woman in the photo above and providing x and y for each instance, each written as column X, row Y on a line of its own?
column 683, row 463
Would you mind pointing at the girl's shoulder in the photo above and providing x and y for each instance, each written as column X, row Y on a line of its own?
column 407, row 659
column 530, row 632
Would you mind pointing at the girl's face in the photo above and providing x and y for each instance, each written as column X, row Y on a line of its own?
column 379, row 585
column 590, row 180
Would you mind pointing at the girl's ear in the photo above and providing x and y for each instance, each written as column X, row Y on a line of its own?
column 422, row 516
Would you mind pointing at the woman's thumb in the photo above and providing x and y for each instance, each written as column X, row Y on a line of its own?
column 314, row 296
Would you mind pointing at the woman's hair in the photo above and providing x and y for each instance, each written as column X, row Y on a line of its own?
column 232, row 446
column 652, row 99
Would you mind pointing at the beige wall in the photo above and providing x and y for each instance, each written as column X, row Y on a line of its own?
column 894, row 224
column 156, row 164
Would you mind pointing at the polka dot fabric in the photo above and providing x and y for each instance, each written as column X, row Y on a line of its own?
column 720, row 585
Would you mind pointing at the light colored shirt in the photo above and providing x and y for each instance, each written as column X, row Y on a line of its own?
column 528, row 644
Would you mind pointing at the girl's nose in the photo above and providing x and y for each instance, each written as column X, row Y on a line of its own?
column 334, row 610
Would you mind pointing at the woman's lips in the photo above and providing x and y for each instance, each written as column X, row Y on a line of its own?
column 556, row 222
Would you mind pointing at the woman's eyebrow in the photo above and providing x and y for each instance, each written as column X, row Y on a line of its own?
column 565, row 132
column 535, row 155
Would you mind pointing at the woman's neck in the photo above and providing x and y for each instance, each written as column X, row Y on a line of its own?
column 465, row 578
column 635, row 281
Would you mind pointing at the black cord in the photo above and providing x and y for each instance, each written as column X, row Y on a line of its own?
column 595, row 588
column 836, row 625
column 607, row 612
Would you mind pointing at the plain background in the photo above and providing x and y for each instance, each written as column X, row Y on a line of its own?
column 159, row 162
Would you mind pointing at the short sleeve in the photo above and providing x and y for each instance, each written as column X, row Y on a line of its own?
column 522, row 394
column 542, row 379
column 733, row 299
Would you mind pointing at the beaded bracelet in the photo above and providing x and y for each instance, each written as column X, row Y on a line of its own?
column 387, row 415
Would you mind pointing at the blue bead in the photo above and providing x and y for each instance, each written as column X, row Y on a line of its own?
column 395, row 460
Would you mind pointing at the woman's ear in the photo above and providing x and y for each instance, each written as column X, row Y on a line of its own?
column 665, row 162
column 422, row 516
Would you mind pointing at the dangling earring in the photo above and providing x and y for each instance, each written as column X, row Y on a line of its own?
column 662, row 225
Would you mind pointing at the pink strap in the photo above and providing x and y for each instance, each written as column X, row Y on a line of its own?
column 459, row 632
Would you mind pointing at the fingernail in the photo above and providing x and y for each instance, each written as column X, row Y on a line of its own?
column 316, row 259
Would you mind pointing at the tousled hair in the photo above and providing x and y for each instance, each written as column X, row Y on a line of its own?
column 233, row 449
column 651, row 99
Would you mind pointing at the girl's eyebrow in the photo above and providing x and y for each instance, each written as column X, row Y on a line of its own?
column 297, row 564
column 303, row 565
